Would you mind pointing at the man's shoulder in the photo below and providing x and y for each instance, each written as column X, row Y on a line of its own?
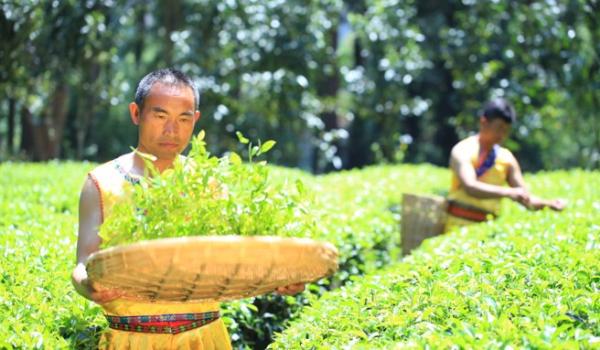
column 505, row 154
column 466, row 145
column 109, row 166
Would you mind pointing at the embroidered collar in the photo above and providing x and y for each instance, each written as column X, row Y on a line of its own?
column 134, row 180
column 488, row 162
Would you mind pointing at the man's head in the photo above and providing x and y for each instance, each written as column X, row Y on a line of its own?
column 495, row 121
column 165, row 109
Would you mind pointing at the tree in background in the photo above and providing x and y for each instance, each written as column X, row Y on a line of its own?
column 338, row 84
column 52, row 57
column 433, row 65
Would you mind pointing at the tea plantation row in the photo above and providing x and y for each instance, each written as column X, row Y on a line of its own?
column 38, row 223
column 527, row 281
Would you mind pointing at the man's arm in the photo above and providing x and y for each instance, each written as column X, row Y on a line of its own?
column 515, row 176
column 460, row 163
column 515, row 179
column 88, row 242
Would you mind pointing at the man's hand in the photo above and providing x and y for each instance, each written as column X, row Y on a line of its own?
column 291, row 289
column 87, row 289
column 537, row 203
column 557, row 204
column 102, row 296
column 519, row 195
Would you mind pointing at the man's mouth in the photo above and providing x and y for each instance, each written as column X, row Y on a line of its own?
column 169, row 144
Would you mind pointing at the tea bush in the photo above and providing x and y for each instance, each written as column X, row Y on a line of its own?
column 528, row 280
column 38, row 233
column 38, row 223
column 356, row 211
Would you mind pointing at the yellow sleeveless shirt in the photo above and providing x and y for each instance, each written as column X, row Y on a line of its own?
column 110, row 179
column 497, row 174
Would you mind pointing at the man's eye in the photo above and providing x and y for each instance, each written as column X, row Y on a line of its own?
column 161, row 116
column 185, row 119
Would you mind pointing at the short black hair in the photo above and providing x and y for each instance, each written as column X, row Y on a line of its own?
column 169, row 76
column 499, row 108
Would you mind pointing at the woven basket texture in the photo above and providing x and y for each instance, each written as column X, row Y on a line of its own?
column 210, row 268
column 422, row 217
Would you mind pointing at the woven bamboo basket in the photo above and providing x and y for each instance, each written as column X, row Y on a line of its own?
column 422, row 217
column 210, row 268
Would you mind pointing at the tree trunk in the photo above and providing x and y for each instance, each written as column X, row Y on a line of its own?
column 328, row 89
column 307, row 150
column 172, row 19
column 10, row 137
column 28, row 137
column 84, row 117
column 42, row 137
column 360, row 130
column 138, row 45
column 55, row 123
column 444, row 136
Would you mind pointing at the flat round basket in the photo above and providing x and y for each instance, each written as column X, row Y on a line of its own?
column 210, row 268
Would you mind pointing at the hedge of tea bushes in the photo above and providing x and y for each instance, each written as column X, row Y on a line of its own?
column 356, row 210
column 528, row 280
column 38, row 233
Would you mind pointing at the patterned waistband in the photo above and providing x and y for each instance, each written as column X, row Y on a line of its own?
column 468, row 212
column 164, row 324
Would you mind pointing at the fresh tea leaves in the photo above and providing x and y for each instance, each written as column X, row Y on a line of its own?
column 206, row 195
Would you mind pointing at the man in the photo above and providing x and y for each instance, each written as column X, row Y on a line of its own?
column 165, row 111
column 481, row 168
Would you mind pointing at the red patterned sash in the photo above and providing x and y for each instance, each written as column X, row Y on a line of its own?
column 164, row 324
column 468, row 212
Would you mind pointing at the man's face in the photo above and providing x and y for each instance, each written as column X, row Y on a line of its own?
column 166, row 122
column 493, row 131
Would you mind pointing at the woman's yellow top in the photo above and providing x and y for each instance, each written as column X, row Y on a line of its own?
column 110, row 179
column 497, row 174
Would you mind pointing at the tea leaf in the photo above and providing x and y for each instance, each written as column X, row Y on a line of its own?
column 265, row 147
column 241, row 137
column 235, row 159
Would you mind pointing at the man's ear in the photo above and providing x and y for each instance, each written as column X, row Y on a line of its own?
column 134, row 113
column 197, row 116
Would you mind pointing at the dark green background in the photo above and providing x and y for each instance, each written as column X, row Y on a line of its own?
column 338, row 84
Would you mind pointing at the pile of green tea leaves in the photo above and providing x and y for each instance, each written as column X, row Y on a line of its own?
column 207, row 195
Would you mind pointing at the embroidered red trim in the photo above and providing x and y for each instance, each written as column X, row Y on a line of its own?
column 95, row 181
column 164, row 324
column 464, row 212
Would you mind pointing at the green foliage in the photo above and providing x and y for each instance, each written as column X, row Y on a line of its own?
column 38, row 217
column 206, row 195
column 425, row 68
column 38, row 232
column 333, row 82
column 357, row 212
column 541, row 64
column 527, row 280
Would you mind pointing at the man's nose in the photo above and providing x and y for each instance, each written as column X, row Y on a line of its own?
column 170, row 127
